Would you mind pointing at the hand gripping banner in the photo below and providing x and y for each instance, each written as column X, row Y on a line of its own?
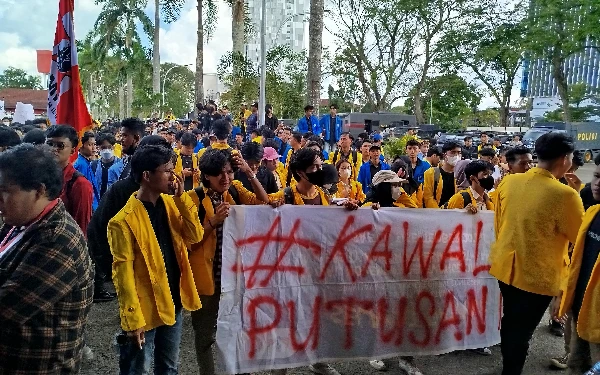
column 310, row 284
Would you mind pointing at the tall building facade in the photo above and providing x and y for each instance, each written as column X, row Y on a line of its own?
column 285, row 26
column 583, row 67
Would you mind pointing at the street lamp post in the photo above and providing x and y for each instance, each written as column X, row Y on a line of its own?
column 263, row 63
column 165, row 80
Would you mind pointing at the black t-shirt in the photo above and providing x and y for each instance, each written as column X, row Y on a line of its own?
column 188, row 182
column 160, row 225
column 105, row 167
column 374, row 169
column 591, row 250
column 448, row 190
column 264, row 176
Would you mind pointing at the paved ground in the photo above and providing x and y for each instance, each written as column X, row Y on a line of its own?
column 104, row 324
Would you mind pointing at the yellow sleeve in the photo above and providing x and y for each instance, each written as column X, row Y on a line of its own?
column 573, row 216
column 456, row 202
column 191, row 228
column 497, row 208
column 178, row 166
column 246, row 196
column 406, row 200
column 120, row 240
column 201, row 152
column 428, row 193
column 360, row 196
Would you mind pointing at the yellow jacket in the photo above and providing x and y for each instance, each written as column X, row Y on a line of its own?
column 203, row 253
column 404, row 201
column 458, row 202
column 216, row 146
column 138, row 268
column 179, row 168
column 118, row 150
column 356, row 191
column 356, row 164
column 282, row 173
column 417, row 196
column 298, row 201
column 536, row 218
column 588, row 324
column 429, row 199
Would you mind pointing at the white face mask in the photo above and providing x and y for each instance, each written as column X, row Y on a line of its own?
column 6, row 123
column 345, row 173
column 106, row 154
column 396, row 192
column 452, row 160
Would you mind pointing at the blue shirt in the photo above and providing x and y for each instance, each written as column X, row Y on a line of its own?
column 364, row 175
column 199, row 146
column 418, row 174
column 84, row 166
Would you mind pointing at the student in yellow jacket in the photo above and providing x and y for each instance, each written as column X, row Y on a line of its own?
column 386, row 192
column 152, row 274
column 581, row 294
column 475, row 198
column 221, row 130
column 348, row 187
column 345, row 152
column 440, row 184
column 535, row 219
column 186, row 164
column 214, row 198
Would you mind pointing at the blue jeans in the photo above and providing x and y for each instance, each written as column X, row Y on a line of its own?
column 162, row 345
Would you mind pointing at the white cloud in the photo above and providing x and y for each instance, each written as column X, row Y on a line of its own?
column 178, row 40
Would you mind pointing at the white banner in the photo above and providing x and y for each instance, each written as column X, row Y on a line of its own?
column 2, row 113
column 308, row 284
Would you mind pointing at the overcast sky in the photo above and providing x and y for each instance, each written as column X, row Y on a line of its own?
column 27, row 25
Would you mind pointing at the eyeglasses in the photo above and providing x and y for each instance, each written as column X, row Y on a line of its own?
column 57, row 145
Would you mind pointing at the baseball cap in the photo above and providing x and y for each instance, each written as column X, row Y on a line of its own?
column 270, row 154
column 386, row 176
column 377, row 137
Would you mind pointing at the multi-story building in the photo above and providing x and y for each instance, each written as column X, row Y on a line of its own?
column 285, row 26
column 583, row 67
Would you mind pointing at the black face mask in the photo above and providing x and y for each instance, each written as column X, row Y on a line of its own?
column 487, row 183
column 316, row 178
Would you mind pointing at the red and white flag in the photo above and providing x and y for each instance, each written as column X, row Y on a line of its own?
column 66, row 104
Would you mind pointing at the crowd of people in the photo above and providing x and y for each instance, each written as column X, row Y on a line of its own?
column 146, row 203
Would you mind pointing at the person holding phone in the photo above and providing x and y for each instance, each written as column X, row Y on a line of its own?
column 151, row 270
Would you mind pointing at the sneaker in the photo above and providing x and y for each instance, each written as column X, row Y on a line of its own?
column 323, row 369
column 482, row 351
column 378, row 365
column 560, row 362
column 103, row 295
column 556, row 328
column 87, row 353
column 409, row 368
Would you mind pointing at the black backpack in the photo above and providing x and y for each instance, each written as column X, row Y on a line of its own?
column 70, row 183
column 200, row 192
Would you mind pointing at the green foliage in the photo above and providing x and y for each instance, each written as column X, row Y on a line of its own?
column 453, row 100
column 396, row 146
column 286, row 81
column 18, row 78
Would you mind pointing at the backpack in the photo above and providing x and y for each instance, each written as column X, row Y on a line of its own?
column 337, row 152
column 200, row 192
column 71, row 182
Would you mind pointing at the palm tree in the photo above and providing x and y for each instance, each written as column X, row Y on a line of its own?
column 171, row 9
column 315, row 50
column 115, row 34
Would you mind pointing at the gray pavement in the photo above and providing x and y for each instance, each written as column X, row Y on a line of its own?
column 104, row 323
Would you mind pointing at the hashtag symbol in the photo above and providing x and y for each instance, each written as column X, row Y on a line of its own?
column 273, row 237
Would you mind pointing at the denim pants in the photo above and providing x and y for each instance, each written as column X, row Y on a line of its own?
column 161, row 344
column 583, row 355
